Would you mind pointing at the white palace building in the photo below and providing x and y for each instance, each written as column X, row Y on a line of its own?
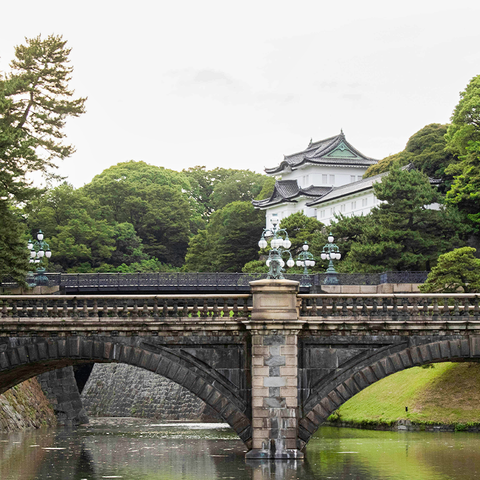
column 320, row 181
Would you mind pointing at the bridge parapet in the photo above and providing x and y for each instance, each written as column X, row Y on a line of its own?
column 396, row 307
column 127, row 306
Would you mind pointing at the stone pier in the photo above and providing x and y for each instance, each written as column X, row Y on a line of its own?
column 274, row 327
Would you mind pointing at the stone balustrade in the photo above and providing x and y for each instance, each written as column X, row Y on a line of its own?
column 127, row 306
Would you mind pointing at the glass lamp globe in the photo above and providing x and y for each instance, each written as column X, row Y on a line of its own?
column 40, row 235
column 305, row 247
column 262, row 243
column 323, row 256
column 48, row 253
column 287, row 243
column 33, row 253
column 290, row 263
column 268, row 262
column 282, row 263
column 330, row 238
column 40, row 253
column 30, row 245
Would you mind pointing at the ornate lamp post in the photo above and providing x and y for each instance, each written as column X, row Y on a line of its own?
column 279, row 244
column 305, row 260
column 331, row 252
column 39, row 249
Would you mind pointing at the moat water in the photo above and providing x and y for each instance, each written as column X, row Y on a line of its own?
column 133, row 449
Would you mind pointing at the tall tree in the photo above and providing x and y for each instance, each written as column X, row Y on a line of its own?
column 404, row 232
column 35, row 102
column 229, row 241
column 426, row 150
column 155, row 200
column 213, row 189
column 463, row 140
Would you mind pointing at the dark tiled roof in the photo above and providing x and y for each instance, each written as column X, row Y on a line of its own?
column 288, row 191
column 319, row 153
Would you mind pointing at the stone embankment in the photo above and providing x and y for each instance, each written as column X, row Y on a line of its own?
column 25, row 406
column 119, row 390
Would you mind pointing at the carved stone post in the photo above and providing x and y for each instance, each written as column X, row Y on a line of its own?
column 274, row 327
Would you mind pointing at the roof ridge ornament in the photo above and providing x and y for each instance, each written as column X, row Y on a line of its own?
column 310, row 144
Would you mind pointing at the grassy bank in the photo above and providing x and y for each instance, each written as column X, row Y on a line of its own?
column 446, row 394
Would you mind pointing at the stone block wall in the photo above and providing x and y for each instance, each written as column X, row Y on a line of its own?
column 120, row 390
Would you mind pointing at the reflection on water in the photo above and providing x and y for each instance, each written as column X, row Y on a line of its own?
column 138, row 450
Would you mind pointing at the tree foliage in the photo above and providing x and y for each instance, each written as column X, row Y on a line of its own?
column 425, row 149
column 463, row 139
column 214, row 189
column 229, row 241
column 154, row 200
column 456, row 271
column 35, row 102
column 403, row 232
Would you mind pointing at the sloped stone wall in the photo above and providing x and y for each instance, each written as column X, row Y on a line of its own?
column 25, row 406
column 119, row 390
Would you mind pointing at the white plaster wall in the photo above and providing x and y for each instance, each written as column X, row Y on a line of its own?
column 279, row 212
column 353, row 205
column 324, row 176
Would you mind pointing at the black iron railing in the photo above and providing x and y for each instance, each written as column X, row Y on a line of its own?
column 202, row 281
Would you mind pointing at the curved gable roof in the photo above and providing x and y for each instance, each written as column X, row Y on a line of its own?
column 331, row 151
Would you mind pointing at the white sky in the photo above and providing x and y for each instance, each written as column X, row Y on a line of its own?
column 239, row 84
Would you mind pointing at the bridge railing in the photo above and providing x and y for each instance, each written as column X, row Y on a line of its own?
column 392, row 306
column 129, row 306
column 204, row 280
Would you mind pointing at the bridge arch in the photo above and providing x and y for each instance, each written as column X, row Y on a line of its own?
column 23, row 358
column 350, row 381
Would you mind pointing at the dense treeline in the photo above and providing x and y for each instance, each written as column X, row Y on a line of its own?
column 139, row 217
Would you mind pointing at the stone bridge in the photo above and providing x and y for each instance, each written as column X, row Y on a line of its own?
column 273, row 363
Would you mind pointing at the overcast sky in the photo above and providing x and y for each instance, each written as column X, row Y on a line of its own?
column 239, row 84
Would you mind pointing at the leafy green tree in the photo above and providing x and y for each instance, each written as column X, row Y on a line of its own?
column 300, row 229
column 228, row 242
column 13, row 245
column 426, row 150
column 238, row 186
column 35, row 102
column 403, row 232
column 213, row 189
column 154, row 200
column 128, row 246
column 267, row 189
column 463, row 140
column 456, row 271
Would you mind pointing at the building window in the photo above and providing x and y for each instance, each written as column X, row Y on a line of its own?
column 364, row 202
column 332, row 179
column 359, row 177
column 324, row 179
column 352, row 178
column 322, row 213
column 354, row 206
column 342, row 207
column 332, row 211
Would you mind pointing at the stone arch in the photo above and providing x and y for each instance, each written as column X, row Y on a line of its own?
column 329, row 397
column 23, row 358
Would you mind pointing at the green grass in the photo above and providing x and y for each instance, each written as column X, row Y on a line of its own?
column 446, row 394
